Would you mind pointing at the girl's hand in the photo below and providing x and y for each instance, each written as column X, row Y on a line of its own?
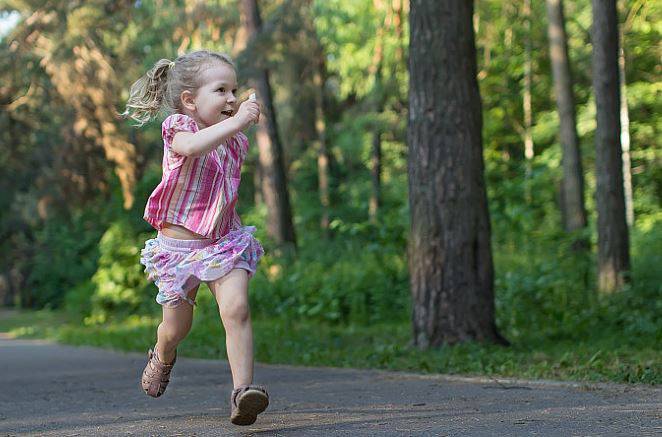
column 248, row 113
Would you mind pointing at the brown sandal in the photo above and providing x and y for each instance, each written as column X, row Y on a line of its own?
column 247, row 402
column 156, row 375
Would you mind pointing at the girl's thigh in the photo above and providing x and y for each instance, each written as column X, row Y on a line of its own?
column 231, row 288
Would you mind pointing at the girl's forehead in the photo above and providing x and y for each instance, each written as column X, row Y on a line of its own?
column 219, row 72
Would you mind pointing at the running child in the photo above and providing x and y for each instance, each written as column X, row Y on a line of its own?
column 200, row 236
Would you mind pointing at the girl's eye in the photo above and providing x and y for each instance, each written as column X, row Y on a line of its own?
column 221, row 89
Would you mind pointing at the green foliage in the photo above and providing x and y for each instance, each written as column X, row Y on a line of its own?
column 541, row 297
column 65, row 254
column 546, row 290
column 358, row 277
column 120, row 286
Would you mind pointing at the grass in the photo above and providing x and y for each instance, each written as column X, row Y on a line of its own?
column 606, row 357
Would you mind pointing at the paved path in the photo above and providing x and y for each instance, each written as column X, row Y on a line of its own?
column 55, row 390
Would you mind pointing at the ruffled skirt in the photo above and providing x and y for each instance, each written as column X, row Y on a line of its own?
column 176, row 266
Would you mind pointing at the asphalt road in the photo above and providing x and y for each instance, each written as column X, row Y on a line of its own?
column 55, row 390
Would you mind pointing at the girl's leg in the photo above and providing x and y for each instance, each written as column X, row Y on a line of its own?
column 231, row 293
column 173, row 329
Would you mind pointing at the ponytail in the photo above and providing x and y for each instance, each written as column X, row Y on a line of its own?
column 147, row 94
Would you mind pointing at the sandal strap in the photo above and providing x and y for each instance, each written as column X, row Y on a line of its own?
column 156, row 375
column 154, row 357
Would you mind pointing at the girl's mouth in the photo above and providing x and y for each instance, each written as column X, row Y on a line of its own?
column 227, row 112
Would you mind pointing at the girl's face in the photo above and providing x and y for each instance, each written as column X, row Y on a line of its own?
column 215, row 100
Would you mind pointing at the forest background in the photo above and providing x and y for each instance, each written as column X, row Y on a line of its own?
column 75, row 179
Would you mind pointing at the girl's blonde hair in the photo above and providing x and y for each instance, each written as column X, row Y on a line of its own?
column 161, row 87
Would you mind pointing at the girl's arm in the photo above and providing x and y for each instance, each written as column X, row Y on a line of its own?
column 207, row 139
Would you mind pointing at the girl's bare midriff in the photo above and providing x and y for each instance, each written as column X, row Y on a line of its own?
column 180, row 232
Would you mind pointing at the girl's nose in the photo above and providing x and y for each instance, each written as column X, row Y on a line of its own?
column 232, row 99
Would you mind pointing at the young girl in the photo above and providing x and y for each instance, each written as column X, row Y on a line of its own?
column 200, row 236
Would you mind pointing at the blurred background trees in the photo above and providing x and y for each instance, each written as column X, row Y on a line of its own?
column 75, row 177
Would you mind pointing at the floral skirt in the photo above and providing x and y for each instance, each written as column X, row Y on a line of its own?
column 176, row 266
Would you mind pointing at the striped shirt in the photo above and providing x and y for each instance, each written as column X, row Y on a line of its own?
column 198, row 193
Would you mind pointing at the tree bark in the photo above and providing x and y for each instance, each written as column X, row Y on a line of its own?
column 572, row 189
column 376, row 173
column 613, row 240
column 376, row 150
column 272, row 168
column 319, row 79
column 450, row 259
column 625, row 141
column 257, row 183
column 526, row 100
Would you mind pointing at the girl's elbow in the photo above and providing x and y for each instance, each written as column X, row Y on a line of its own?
column 183, row 150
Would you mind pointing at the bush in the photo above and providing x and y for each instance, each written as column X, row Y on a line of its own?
column 360, row 276
column 65, row 254
column 119, row 287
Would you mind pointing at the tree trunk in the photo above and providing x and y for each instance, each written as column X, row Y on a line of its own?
column 257, row 183
column 376, row 151
column 376, row 174
column 526, row 101
column 450, row 259
column 625, row 141
column 6, row 291
column 572, row 192
column 319, row 78
column 613, row 244
column 397, row 7
column 272, row 167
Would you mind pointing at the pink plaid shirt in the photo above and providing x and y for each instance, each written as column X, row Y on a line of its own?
column 198, row 193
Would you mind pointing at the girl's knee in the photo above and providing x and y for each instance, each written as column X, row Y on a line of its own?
column 234, row 312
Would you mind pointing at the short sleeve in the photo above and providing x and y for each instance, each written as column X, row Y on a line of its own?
column 170, row 126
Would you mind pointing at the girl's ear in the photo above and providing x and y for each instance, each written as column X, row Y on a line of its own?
column 188, row 100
